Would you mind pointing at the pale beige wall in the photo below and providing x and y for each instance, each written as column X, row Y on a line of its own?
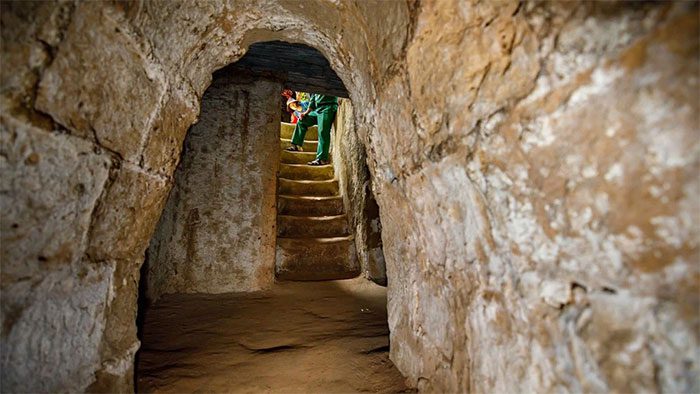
column 217, row 232
column 535, row 165
column 103, row 94
column 350, row 163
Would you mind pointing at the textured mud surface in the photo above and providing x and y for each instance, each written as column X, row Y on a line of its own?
column 296, row 338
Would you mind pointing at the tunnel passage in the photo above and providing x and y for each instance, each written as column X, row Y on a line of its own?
column 218, row 229
column 535, row 164
column 243, row 214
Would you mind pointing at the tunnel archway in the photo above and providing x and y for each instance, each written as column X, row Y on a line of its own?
column 256, row 65
column 240, row 125
column 217, row 231
column 545, row 145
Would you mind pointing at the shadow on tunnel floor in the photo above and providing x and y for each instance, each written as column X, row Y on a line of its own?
column 296, row 337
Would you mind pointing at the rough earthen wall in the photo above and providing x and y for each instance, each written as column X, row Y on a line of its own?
column 350, row 164
column 535, row 165
column 540, row 223
column 217, row 231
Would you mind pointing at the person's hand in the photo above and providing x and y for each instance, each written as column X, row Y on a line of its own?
column 301, row 115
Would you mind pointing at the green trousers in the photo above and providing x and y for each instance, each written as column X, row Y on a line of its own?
column 322, row 117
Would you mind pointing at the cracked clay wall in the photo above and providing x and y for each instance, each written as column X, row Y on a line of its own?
column 535, row 165
column 217, row 231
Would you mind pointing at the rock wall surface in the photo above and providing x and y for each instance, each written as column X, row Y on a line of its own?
column 350, row 164
column 217, row 231
column 541, row 224
column 101, row 95
column 535, row 164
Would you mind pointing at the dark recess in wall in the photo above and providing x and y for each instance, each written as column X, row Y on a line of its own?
column 297, row 66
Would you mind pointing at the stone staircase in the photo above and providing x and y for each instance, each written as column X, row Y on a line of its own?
column 313, row 234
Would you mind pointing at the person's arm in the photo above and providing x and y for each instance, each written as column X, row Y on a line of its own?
column 295, row 106
column 312, row 105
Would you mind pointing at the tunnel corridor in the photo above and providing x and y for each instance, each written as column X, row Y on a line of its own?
column 218, row 312
column 521, row 176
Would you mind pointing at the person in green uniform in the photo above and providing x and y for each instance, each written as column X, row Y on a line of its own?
column 321, row 112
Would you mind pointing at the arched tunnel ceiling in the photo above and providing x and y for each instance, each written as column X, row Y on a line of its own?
column 298, row 66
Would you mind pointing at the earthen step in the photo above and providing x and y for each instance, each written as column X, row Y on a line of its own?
column 287, row 129
column 309, row 146
column 316, row 258
column 307, row 172
column 308, row 188
column 309, row 206
column 312, row 226
column 287, row 157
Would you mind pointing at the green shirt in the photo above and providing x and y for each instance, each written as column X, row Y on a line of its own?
column 321, row 102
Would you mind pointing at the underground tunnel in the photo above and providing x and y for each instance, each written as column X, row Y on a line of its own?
column 522, row 177
column 245, row 213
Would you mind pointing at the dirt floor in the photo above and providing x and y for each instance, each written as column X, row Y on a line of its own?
column 299, row 337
